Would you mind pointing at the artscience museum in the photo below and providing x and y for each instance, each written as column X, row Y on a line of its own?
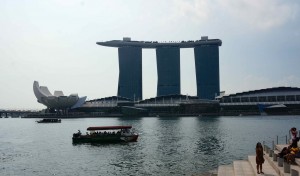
column 57, row 101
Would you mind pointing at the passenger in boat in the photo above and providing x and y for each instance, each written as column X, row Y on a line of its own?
column 78, row 134
column 259, row 158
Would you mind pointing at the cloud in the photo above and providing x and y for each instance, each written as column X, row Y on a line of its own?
column 263, row 15
column 289, row 81
column 255, row 82
column 254, row 14
column 252, row 82
column 197, row 10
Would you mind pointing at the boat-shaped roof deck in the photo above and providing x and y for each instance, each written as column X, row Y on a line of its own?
column 154, row 44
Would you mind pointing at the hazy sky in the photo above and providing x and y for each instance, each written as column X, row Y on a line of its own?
column 54, row 42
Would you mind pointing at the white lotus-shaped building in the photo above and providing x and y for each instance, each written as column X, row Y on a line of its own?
column 58, row 100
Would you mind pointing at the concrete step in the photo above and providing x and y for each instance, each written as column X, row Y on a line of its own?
column 243, row 168
column 225, row 170
column 295, row 170
column 278, row 169
column 266, row 167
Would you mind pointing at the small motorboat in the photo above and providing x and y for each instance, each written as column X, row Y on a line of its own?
column 49, row 121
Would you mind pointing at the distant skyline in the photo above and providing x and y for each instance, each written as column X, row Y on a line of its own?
column 54, row 42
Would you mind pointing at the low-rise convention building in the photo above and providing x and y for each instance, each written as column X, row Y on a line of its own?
column 276, row 100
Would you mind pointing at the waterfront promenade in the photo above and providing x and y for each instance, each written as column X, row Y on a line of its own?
column 273, row 165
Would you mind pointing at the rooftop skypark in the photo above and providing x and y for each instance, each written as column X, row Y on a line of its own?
column 154, row 44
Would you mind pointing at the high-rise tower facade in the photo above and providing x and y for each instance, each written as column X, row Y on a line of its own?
column 130, row 73
column 207, row 71
column 168, row 70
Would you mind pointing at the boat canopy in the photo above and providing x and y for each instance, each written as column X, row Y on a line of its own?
column 108, row 128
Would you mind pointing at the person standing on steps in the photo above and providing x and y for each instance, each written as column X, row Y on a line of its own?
column 259, row 158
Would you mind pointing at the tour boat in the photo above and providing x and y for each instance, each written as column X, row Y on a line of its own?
column 49, row 121
column 106, row 134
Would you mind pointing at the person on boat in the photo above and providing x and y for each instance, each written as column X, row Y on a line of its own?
column 259, row 158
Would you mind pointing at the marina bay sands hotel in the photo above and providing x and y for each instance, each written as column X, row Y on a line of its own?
column 206, row 53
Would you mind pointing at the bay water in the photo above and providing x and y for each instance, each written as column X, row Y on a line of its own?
column 166, row 145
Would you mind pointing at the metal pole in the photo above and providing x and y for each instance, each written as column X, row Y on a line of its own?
column 273, row 145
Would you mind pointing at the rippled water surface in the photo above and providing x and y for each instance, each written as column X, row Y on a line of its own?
column 166, row 146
